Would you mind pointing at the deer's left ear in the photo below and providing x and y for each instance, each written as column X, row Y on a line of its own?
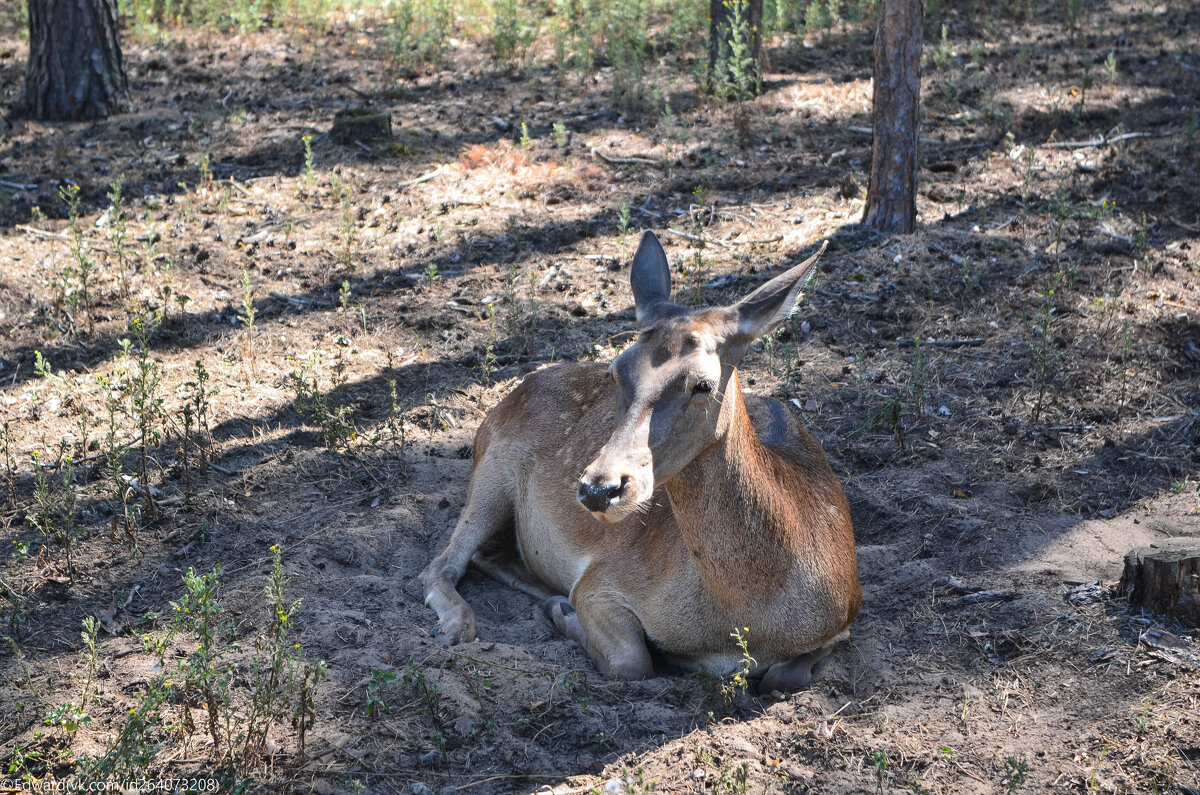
column 766, row 308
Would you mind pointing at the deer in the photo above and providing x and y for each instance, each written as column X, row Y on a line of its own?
column 662, row 510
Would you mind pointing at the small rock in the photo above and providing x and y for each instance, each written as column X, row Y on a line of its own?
column 614, row 786
column 418, row 788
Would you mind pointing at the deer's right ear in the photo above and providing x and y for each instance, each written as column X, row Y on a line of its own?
column 650, row 278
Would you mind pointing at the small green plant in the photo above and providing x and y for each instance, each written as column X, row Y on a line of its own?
column 66, row 524
column 487, row 364
column 71, row 716
column 114, row 453
column 54, row 513
column 206, row 670
column 19, row 760
column 625, row 47
column 879, row 760
column 348, row 231
column 1074, row 9
column 376, row 706
column 414, row 679
column 416, row 34
column 145, row 400
column 119, row 224
column 282, row 685
column 10, row 463
column 623, row 216
column 972, row 272
column 309, row 174
column 249, row 313
column 129, row 753
column 1110, row 66
column 738, row 681
column 513, row 29
column 1046, row 352
column 696, row 272
column 1016, row 772
column 736, row 779
column 335, row 422
column 559, row 135
column 942, row 53
column 1127, row 362
column 83, row 269
column 206, row 173
column 736, row 74
column 525, row 141
column 431, row 274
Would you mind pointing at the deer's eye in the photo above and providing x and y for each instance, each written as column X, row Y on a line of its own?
column 703, row 387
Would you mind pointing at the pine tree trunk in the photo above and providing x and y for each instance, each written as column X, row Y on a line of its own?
column 75, row 70
column 892, row 190
column 720, row 51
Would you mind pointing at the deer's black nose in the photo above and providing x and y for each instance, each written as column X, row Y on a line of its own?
column 599, row 497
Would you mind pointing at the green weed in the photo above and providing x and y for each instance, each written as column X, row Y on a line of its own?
column 375, row 703
column 736, row 683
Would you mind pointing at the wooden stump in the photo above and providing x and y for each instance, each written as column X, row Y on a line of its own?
column 1164, row 577
column 359, row 124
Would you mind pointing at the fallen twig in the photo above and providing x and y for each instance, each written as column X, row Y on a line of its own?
column 33, row 230
column 423, row 178
column 42, row 233
column 16, row 185
column 1186, row 227
column 724, row 243
column 1097, row 141
column 645, row 161
column 912, row 343
column 960, row 587
column 988, row 596
column 1068, row 429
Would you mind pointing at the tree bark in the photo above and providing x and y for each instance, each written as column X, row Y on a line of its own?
column 721, row 57
column 895, row 115
column 1164, row 577
column 75, row 70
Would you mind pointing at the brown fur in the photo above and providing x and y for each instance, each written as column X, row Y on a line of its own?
column 731, row 517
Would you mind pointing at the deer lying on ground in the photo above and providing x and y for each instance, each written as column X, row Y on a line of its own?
column 670, row 507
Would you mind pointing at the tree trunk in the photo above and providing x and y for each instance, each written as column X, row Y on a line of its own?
column 735, row 47
column 75, row 70
column 892, row 190
column 1164, row 577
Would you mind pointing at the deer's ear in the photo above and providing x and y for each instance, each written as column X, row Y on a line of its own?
column 650, row 277
column 766, row 308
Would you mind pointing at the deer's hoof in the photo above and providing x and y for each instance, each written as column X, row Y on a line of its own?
column 458, row 627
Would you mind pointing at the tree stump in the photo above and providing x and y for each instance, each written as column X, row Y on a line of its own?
column 1164, row 577
column 360, row 124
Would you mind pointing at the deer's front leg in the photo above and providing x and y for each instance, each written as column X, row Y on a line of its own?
column 487, row 512
column 607, row 630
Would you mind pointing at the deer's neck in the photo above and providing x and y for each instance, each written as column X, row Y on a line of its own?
column 734, row 509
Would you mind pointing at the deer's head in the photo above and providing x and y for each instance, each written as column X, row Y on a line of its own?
column 672, row 382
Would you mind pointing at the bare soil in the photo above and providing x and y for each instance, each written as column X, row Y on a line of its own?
column 953, row 464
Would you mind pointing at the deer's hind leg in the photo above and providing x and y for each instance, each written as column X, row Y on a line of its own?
column 797, row 673
column 489, row 511
column 601, row 622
